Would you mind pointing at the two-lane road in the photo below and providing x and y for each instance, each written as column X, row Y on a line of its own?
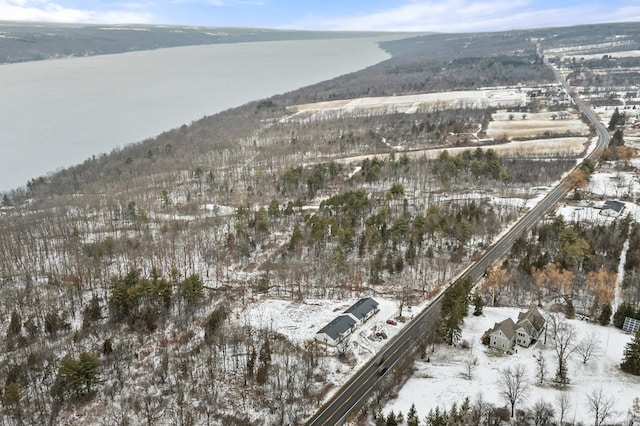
column 349, row 398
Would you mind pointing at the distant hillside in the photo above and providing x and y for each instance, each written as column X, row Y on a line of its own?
column 21, row 42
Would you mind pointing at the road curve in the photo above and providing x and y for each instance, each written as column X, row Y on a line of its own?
column 350, row 396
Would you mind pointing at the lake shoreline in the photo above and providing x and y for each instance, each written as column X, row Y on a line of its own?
column 59, row 113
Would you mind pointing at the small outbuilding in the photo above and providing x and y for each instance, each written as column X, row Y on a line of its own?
column 612, row 208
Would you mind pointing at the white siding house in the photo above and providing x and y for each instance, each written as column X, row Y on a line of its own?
column 502, row 335
column 529, row 327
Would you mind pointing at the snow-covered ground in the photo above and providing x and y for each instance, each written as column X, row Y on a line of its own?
column 441, row 382
column 613, row 54
column 607, row 186
column 534, row 124
column 411, row 103
column 563, row 146
column 300, row 321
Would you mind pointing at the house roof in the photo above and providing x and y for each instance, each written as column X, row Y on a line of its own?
column 362, row 308
column 338, row 326
column 526, row 325
column 616, row 206
column 534, row 317
column 507, row 327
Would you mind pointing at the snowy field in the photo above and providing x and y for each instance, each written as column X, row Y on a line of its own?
column 559, row 146
column 534, row 124
column 614, row 55
column 442, row 381
column 300, row 321
column 410, row 103
column 579, row 51
column 619, row 186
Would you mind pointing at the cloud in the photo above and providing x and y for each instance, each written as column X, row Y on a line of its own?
column 50, row 11
column 221, row 2
column 478, row 15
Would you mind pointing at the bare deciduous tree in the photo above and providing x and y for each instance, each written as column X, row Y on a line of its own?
column 541, row 367
column 513, row 384
column 564, row 345
column 469, row 365
column 633, row 415
column 496, row 280
column 343, row 348
column 588, row 347
column 480, row 410
column 564, row 405
column 542, row 413
column 600, row 405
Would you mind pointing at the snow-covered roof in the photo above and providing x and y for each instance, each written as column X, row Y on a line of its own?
column 338, row 326
column 362, row 308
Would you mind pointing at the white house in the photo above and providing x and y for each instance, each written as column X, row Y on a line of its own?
column 529, row 327
column 502, row 335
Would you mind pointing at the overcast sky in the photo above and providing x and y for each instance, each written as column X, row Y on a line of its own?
column 378, row 15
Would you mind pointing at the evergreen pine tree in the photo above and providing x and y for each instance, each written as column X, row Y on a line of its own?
column 92, row 312
column 631, row 361
column 617, row 139
column 570, row 310
column 605, row 314
column 454, row 415
column 192, row 289
column 391, row 419
column 455, row 304
column 412, row 416
column 465, row 408
column 77, row 375
column 478, row 304
column 380, row 419
column 15, row 325
column 615, row 117
column 624, row 310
